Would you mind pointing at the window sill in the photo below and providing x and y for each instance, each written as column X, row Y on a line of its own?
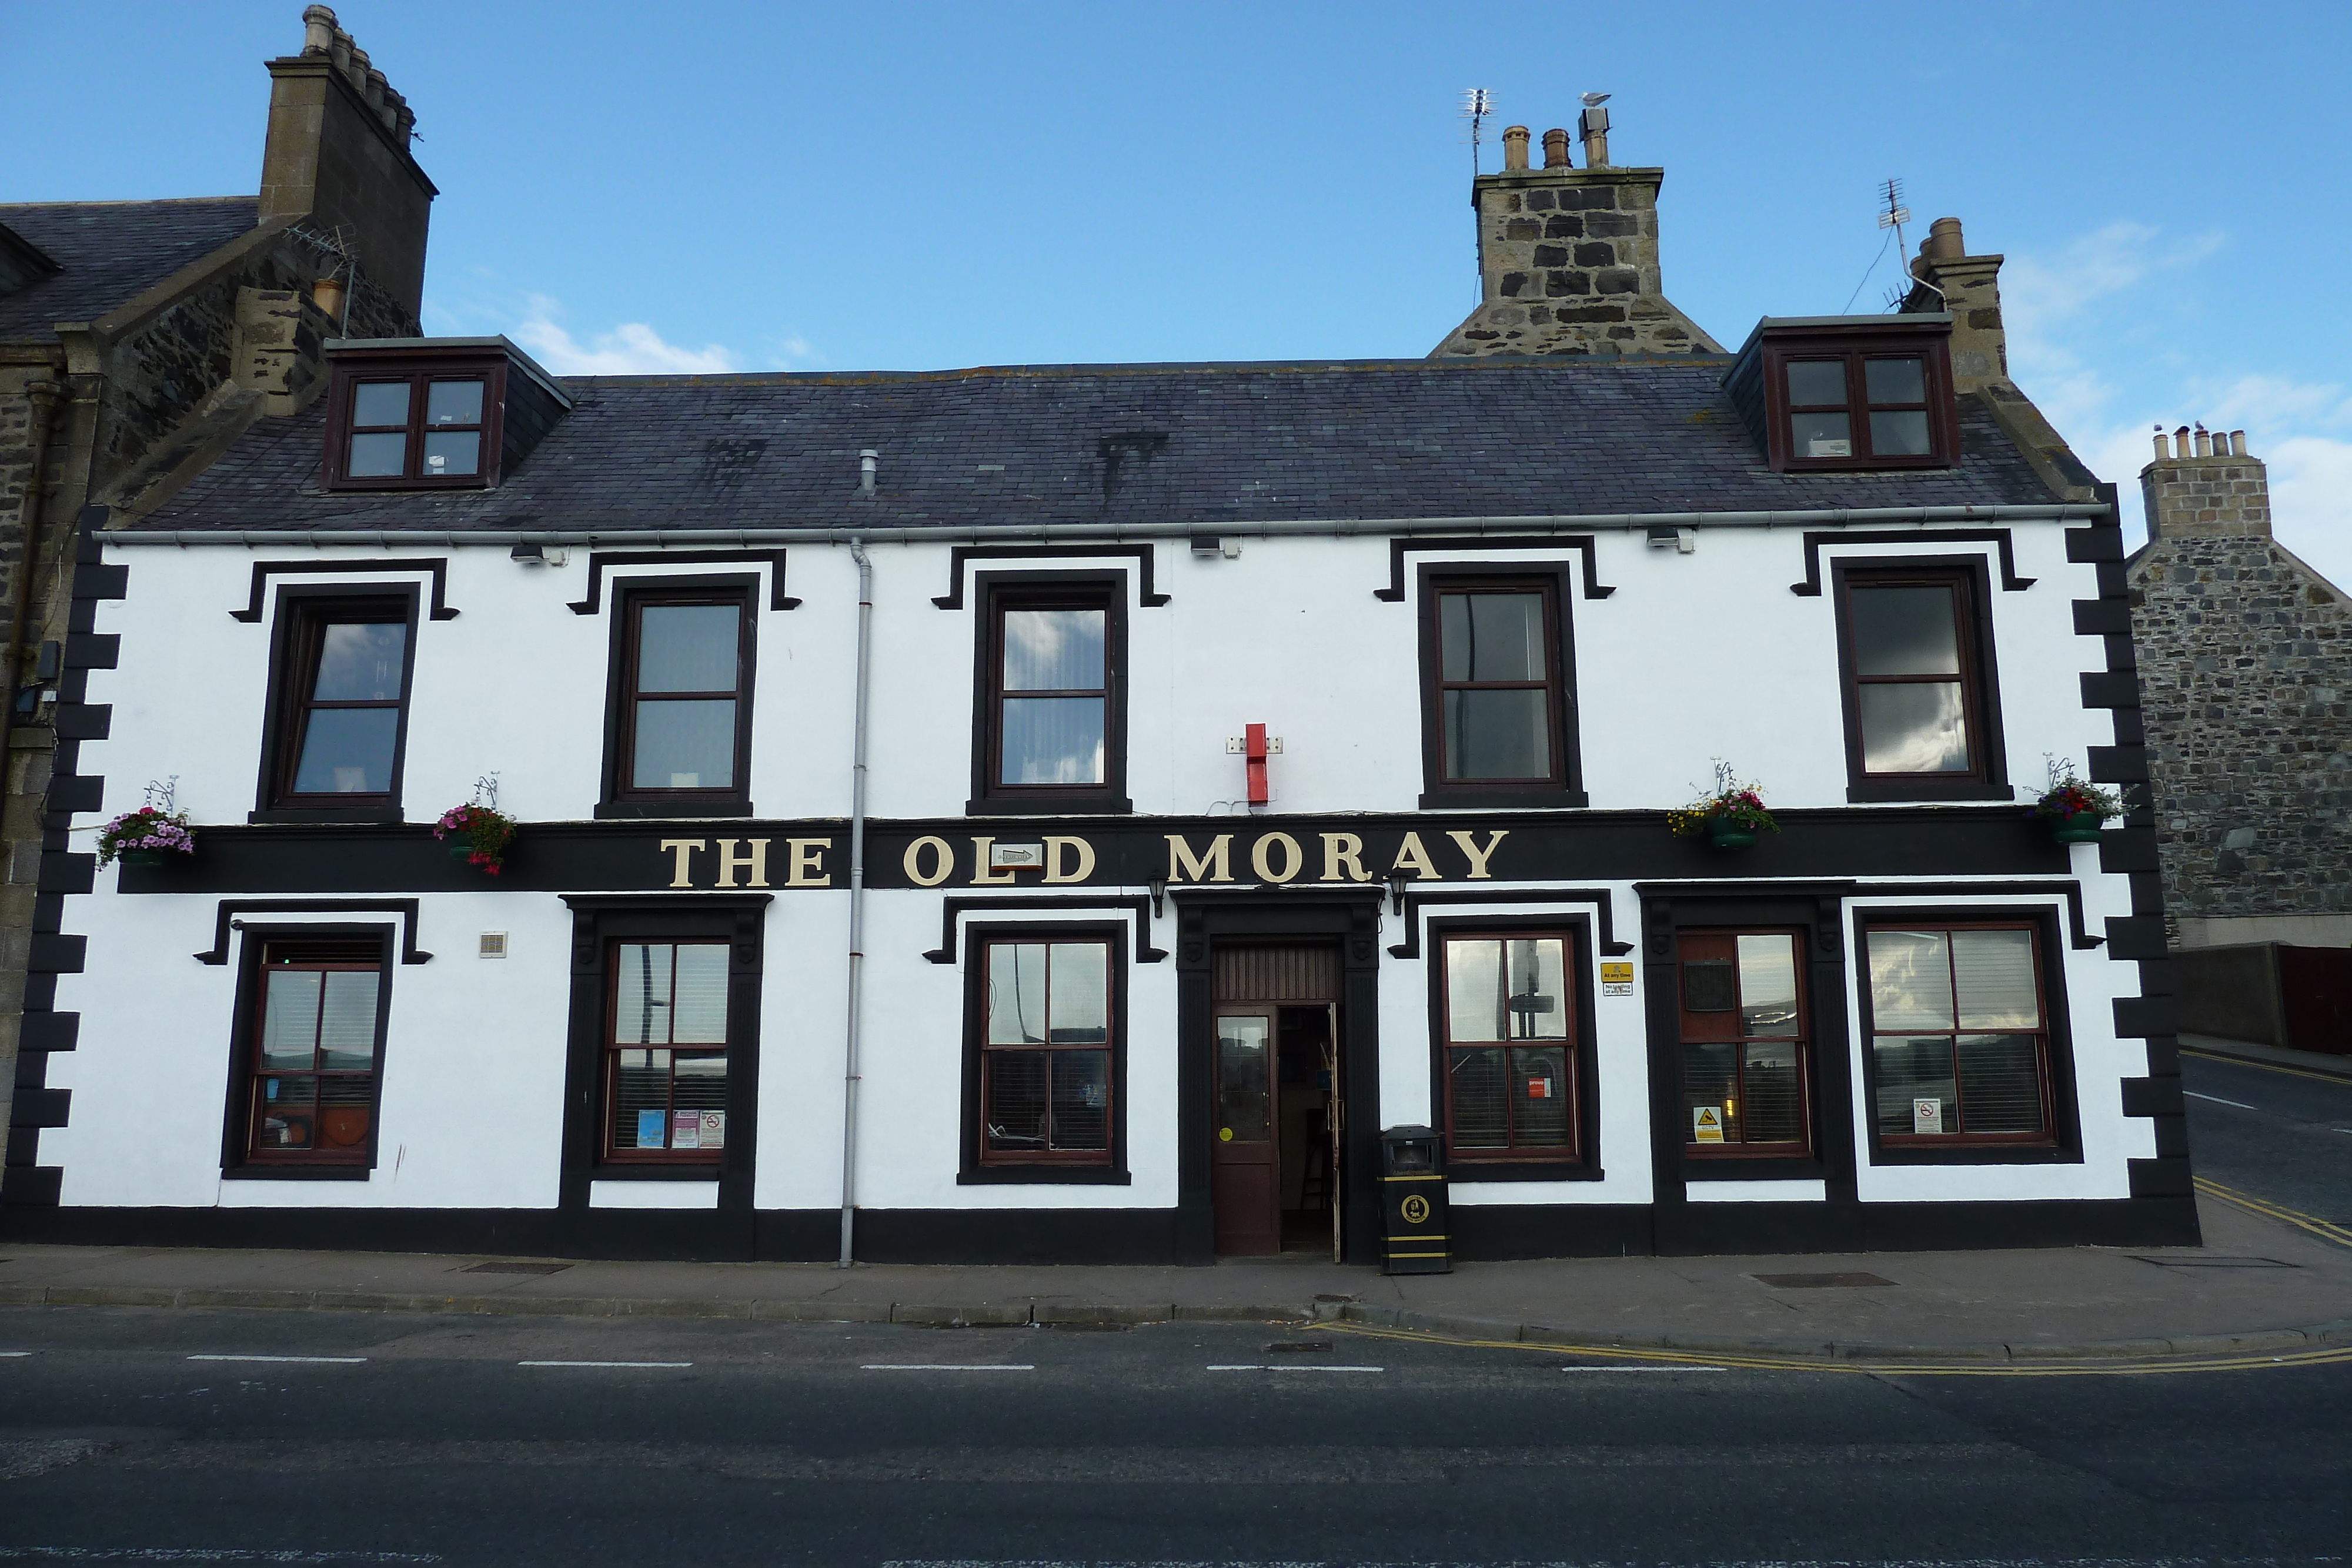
column 1699, row 1169
column 1459, row 1171
column 665, row 1170
column 290, row 815
column 1062, row 1176
column 1975, row 1155
column 1892, row 791
column 647, row 810
column 1457, row 799
column 1089, row 805
column 297, row 1173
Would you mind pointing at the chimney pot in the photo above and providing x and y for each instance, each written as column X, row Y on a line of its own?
column 339, row 53
column 318, row 30
column 1515, row 147
column 1556, row 148
column 2204, row 443
column 356, row 73
column 1944, row 242
column 374, row 93
column 1594, row 125
column 2163, row 447
column 2237, row 443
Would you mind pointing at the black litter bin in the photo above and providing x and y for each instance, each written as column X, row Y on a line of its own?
column 1412, row 1203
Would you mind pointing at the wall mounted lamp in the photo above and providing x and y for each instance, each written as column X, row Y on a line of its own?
column 530, row 554
column 1398, row 881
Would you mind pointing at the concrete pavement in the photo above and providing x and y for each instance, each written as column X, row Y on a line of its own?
column 2259, row 1284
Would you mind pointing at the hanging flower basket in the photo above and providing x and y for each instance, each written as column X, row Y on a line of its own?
column 151, row 835
column 477, row 835
column 1730, row 819
column 2074, row 807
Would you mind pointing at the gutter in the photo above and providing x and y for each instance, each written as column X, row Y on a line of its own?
column 992, row 533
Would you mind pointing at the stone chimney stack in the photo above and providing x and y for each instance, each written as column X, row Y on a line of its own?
column 2203, row 486
column 1948, row 279
column 338, row 158
column 1569, row 260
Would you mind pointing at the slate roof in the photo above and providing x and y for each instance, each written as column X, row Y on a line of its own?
column 1038, row 444
column 111, row 252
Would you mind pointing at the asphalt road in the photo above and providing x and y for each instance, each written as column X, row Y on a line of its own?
column 1200, row 1443
column 2276, row 1132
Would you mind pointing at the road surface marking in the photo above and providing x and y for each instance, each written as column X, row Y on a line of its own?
column 2336, row 1078
column 2217, row 1100
column 604, row 1363
column 2269, row 1210
column 304, row 1360
column 1646, row 1369
column 1255, row 1368
column 945, row 1366
column 12, row 1353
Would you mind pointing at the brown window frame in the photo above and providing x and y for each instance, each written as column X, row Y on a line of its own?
column 1807, row 1147
column 348, row 372
column 319, row 949
column 2060, row 1140
column 1933, row 348
column 610, row 1154
column 629, row 600
column 1515, row 1161
column 1988, row 776
column 982, row 1167
column 1563, row 785
column 298, row 636
column 998, row 592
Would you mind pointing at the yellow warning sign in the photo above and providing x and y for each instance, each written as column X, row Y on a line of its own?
column 1616, row 979
column 1706, row 1124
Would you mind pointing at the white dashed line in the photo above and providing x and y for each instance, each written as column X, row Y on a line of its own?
column 663, row 1364
column 944, row 1366
column 2217, row 1100
column 304, row 1360
column 12, row 1354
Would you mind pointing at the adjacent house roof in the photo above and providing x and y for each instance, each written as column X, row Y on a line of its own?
column 110, row 253
column 1044, row 444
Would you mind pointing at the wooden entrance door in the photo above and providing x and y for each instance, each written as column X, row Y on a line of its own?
column 1245, row 1160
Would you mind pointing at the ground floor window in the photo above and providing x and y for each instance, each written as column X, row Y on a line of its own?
column 1509, row 1048
column 313, row 1051
column 1959, row 1034
column 1046, row 1048
column 665, row 1053
column 1746, row 1053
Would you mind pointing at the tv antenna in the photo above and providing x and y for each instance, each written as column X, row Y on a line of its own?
column 1893, row 216
column 1477, row 103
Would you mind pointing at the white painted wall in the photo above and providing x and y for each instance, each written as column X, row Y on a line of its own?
column 1694, row 657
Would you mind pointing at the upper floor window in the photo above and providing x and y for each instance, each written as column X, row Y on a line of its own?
column 681, row 706
column 1858, row 392
column 1747, row 1056
column 1051, row 731
column 411, row 428
column 339, row 720
column 1959, row 1034
column 1497, row 706
column 1919, row 694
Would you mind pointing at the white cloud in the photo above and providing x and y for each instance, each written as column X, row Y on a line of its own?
column 632, row 349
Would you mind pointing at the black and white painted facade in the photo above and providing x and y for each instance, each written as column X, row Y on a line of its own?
column 1269, row 545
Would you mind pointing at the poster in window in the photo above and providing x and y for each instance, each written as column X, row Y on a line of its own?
column 1927, row 1115
column 649, row 1129
column 1706, row 1124
column 1538, row 1088
column 685, row 1130
column 714, row 1129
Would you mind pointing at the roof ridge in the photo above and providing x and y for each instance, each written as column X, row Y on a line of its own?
column 1160, row 367
column 133, row 201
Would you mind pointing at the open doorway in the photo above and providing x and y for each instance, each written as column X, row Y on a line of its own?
column 1275, row 1164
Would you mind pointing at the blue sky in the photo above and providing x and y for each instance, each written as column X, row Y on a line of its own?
column 634, row 187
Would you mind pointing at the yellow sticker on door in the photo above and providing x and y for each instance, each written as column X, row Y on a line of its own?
column 1706, row 1124
column 1225, row 1134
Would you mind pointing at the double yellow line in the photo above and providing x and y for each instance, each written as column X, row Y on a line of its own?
column 2269, row 1210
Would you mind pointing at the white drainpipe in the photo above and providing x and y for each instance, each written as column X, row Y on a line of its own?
column 856, row 905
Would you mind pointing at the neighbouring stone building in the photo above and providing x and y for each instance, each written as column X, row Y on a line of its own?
column 2245, row 658
column 138, row 339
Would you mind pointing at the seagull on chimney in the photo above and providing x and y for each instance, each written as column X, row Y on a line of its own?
column 1593, row 99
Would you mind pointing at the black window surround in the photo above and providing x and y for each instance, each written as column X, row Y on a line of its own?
column 601, row 924
column 1978, row 677
column 2064, row 1145
column 629, row 599
column 1852, row 349
column 332, row 942
column 995, row 594
column 298, row 628
column 1557, row 581
column 1584, row 1164
column 980, row 1169
column 417, row 372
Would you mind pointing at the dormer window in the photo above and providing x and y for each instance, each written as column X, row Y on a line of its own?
column 1850, row 392
column 425, row 413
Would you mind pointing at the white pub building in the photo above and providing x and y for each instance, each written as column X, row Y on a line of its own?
column 1066, row 814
